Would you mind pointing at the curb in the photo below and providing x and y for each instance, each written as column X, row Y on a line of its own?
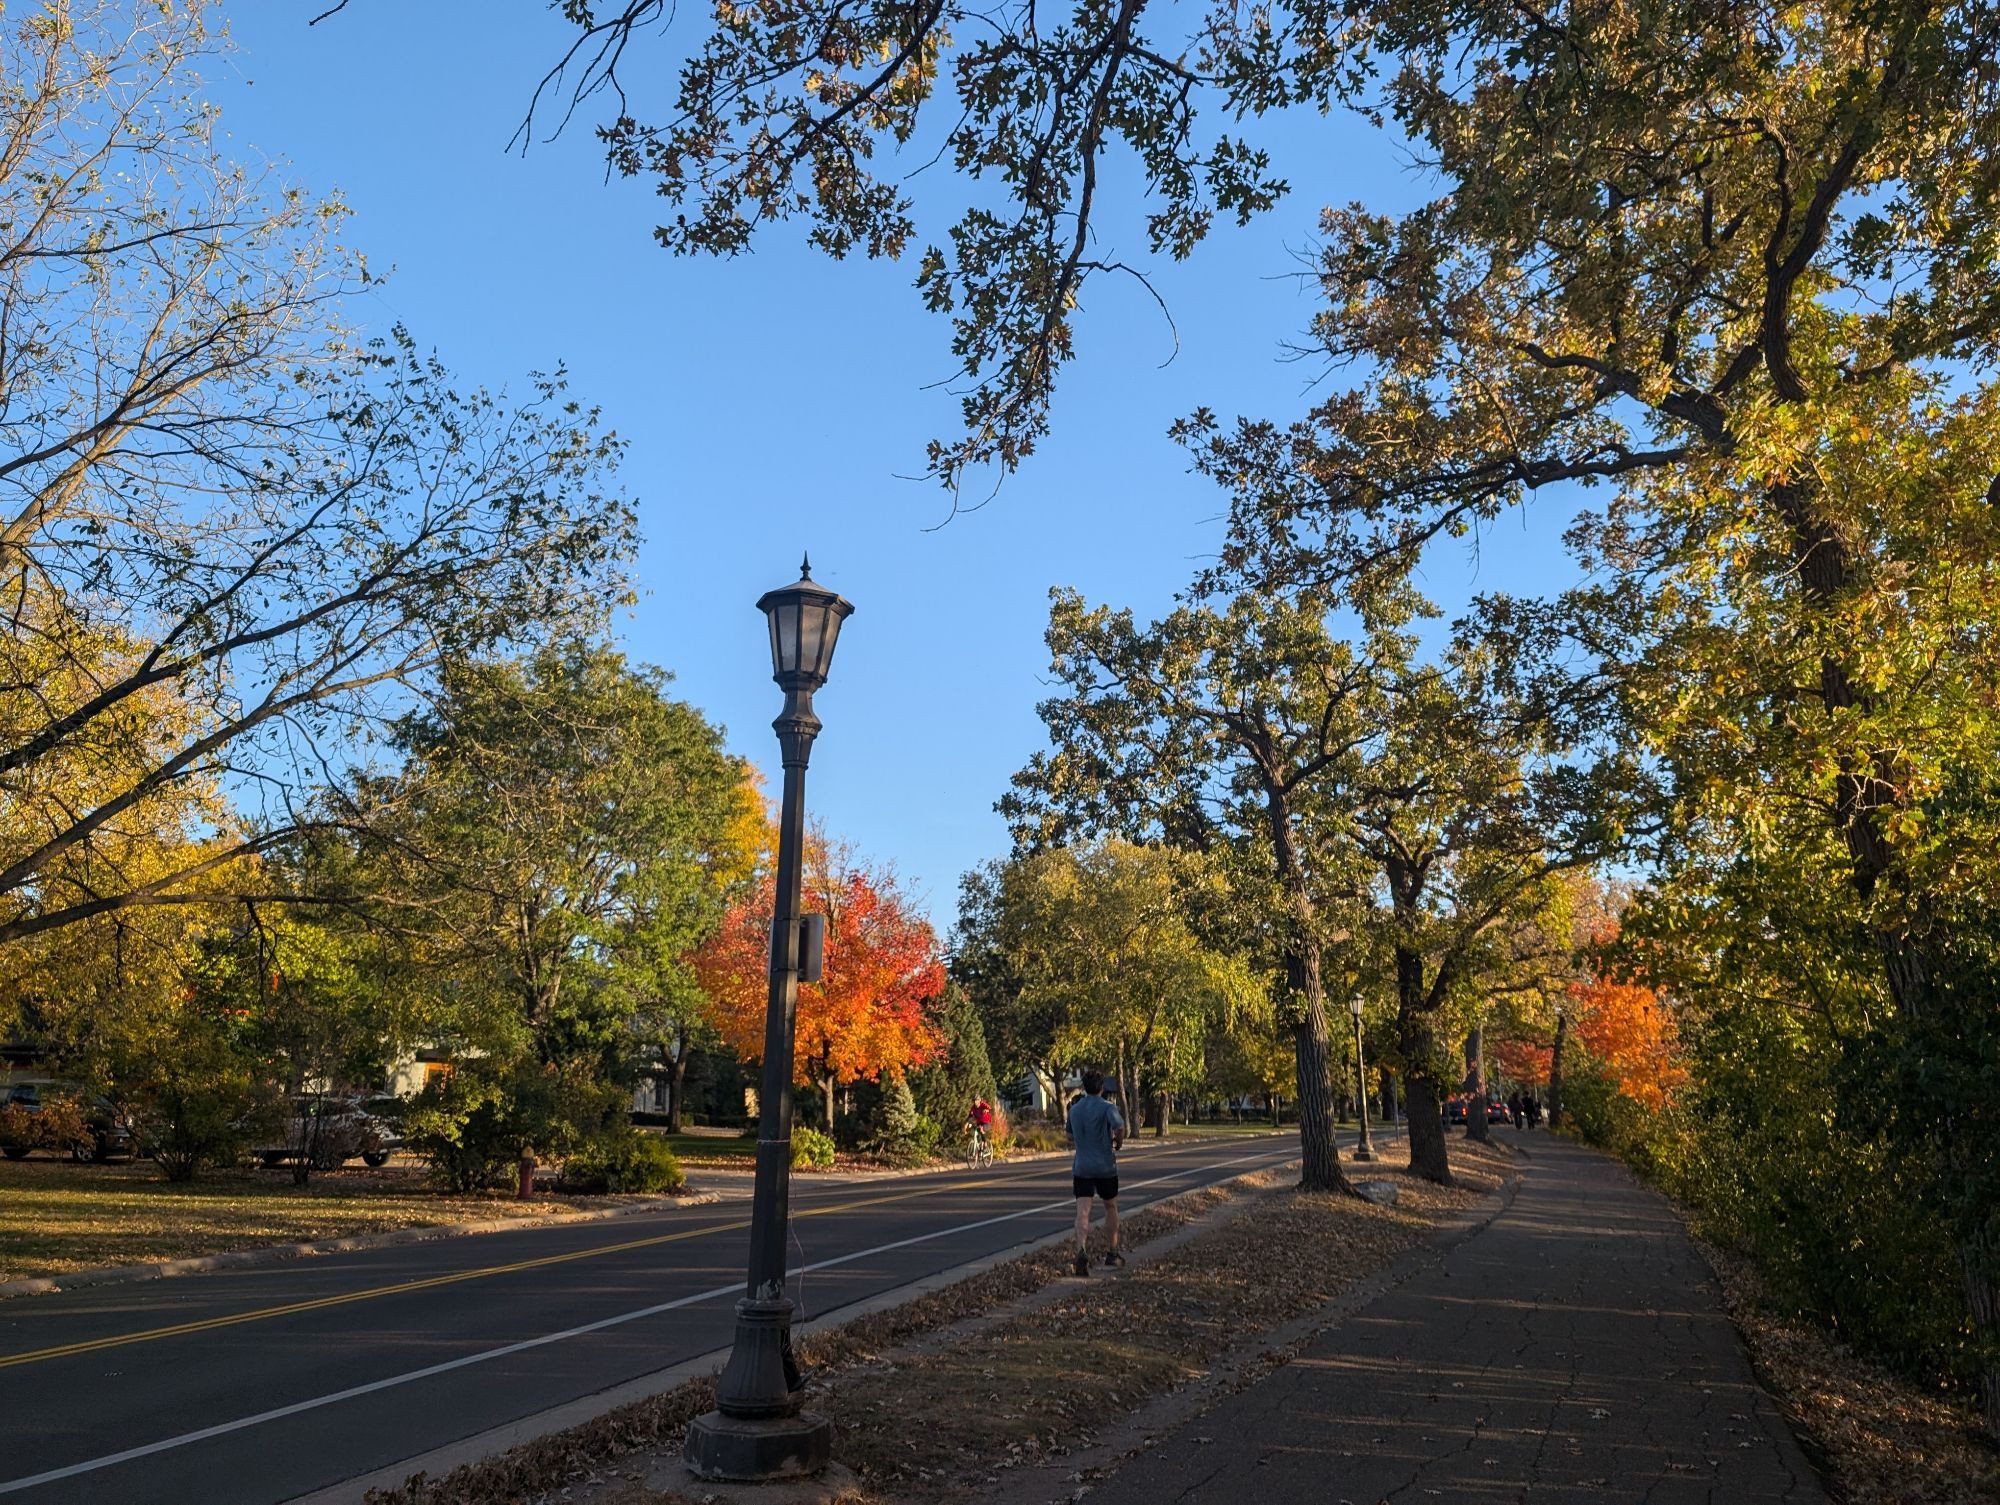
column 273, row 1254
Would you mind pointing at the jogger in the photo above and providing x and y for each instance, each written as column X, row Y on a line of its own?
column 1096, row 1129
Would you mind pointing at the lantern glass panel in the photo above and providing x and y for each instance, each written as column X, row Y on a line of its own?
column 813, row 644
column 787, row 618
column 832, row 616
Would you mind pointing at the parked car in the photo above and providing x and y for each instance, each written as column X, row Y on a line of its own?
column 330, row 1131
column 387, row 1111
column 65, row 1117
column 1455, row 1110
column 1496, row 1111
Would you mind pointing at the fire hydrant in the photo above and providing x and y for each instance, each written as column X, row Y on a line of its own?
column 527, row 1176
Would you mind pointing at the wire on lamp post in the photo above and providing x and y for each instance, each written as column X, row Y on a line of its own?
column 757, row 1430
column 1365, row 1150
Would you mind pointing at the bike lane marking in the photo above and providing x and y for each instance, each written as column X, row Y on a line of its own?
column 353, row 1392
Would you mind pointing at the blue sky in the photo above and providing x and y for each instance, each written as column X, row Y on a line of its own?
column 773, row 401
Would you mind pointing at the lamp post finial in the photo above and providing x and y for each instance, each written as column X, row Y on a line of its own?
column 805, row 567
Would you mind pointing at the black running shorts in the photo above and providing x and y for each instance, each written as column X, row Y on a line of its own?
column 1105, row 1187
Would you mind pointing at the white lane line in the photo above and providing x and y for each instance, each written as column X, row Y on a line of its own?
column 242, row 1423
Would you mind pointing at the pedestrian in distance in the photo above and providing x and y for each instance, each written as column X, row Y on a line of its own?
column 1096, row 1130
column 1515, row 1111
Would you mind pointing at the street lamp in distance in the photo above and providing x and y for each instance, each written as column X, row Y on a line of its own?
column 1365, row 1150
column 758, row 1431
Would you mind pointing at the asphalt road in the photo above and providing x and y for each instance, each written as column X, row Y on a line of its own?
column 259, row 1385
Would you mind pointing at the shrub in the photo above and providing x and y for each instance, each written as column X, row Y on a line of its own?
column 459, row 1126
column 19, row 1133
column 203, row 1106
column 472, row 1124
column 58, row 1124
column 811, row 1149
column 1036, row 1134
column 629, row 1162
column 902, row 1136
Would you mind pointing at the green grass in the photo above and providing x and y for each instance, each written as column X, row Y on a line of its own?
column 56, row 1217
column 1225, row 1126
column 724, row 1149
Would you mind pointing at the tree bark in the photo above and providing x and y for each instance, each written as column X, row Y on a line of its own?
column 1429, row 1157
column 1475, row 1084
column 1982, row 1302
column 1556, row 1073
column 832, row 1082
column 1320, row 1155
column 676, row 1088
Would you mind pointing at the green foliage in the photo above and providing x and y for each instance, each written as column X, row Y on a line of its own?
column 566, row 831
column 623, row 1161
column 946, row 1088
column 1100, row 959
column 200, row 1104
column 812, row 1149
column 472, row 1124
column 901, row 1135
column 1775, row 1147
column 459, row 1126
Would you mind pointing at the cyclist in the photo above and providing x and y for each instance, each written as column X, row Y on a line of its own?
column 981, row 1124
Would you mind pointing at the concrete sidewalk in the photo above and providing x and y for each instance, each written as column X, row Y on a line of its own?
column 1575, row 1351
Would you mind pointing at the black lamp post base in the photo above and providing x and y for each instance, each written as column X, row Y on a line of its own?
column 758, row 1450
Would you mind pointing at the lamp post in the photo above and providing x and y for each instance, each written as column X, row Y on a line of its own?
column 1365, row 1150
column 757, row 1430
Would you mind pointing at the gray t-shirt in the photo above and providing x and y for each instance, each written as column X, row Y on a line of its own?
column 1091, row 1123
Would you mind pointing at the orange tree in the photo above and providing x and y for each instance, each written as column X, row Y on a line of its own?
column 871, row 1013
column 1628, row 1029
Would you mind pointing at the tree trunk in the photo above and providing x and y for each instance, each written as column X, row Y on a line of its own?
column 1320, row 1152
column 1475, row 1084
column 676, row 1090
column 1320, row 1169
column 1127, row 1102
column 1166, row 1111
column 832, row 1084
column 1556, row 1074
column 1428, row 1155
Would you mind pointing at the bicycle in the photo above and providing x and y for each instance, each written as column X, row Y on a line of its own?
column 978, row 1150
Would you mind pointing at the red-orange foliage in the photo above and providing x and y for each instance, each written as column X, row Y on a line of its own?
column 870, row 1013
column 1630, row 1030
column 1525, row 1062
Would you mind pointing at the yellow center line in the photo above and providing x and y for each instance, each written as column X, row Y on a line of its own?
column 209, row 1324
